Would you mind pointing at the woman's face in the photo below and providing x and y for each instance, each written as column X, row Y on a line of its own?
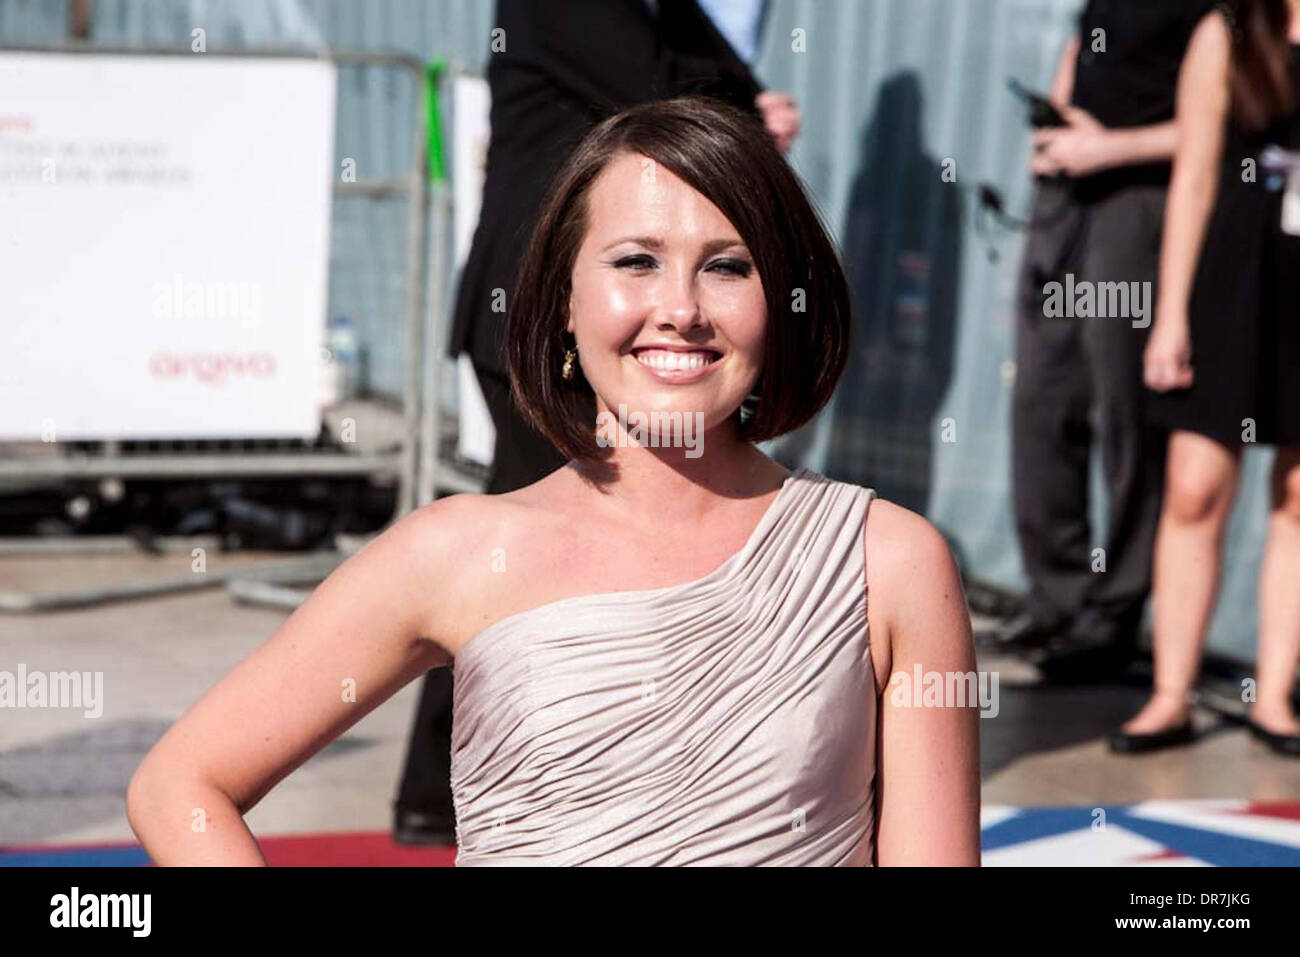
column 666, row 306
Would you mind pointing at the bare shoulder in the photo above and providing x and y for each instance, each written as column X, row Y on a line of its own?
column 454, row 527
column 470, row 552
column 902, row 546
column 916, row 602
column 1210, row 46
column 1213, row 31
column 417, row 553
column 432, row 562
column 424, row 540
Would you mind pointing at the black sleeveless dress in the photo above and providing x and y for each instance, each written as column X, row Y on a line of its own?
column 1244, row 311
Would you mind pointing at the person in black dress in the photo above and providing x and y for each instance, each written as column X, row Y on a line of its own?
column 565, row 65
column 1224, row 361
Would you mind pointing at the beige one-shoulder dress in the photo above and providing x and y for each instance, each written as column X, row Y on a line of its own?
column 729, row 720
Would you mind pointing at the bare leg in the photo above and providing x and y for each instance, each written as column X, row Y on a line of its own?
column 1279, row 601
column 1200, row 481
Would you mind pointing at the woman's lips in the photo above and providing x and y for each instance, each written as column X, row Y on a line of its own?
column 672, row 365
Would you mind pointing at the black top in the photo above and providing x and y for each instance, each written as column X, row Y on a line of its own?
column 567, row 65
column 1133, row 80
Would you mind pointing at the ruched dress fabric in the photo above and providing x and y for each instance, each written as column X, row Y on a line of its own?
column 726, row 721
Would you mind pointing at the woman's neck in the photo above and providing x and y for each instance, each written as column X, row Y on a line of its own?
column 676, row 485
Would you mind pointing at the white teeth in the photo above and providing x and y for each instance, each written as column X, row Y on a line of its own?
column 674, row 361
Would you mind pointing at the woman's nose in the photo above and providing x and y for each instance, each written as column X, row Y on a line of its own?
column 679, row 305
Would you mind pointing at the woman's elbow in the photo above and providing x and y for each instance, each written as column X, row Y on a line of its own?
column 156, row 787
column 143, row 796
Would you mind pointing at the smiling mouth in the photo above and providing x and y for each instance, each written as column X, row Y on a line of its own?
column 671, row 360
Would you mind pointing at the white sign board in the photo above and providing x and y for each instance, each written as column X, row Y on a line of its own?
column 164, row 245
column 471, row 133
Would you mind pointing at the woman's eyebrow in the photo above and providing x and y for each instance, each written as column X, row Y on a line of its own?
column 718, row 245
column 657, row 244
column 650, row 242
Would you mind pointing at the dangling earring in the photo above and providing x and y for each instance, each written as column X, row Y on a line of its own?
column 566, row 373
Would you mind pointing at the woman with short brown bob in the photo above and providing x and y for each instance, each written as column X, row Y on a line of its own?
column 663, row 650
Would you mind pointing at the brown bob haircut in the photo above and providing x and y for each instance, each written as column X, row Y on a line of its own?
column 729, row 158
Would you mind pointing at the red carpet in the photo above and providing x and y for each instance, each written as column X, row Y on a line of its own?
column 358, row 849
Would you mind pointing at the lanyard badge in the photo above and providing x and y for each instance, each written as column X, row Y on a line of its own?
column 1284, row 165
column 1291, row 203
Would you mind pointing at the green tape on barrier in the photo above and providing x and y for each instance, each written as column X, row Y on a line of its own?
column 433, row 73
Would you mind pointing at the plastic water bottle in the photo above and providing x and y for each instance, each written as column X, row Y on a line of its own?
column 344, row 345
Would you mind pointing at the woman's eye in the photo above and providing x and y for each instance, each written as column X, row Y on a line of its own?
column 642, row 262
column 732, row 267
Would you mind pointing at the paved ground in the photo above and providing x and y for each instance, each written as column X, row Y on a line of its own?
column 63, row 775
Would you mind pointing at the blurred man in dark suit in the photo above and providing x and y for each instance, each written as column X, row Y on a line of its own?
column 557, row 68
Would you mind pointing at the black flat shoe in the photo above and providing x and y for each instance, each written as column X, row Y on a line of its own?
column 1287, row 744
column 1121, row 742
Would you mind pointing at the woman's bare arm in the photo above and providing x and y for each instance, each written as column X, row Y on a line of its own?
column 1062, row 89
column 1201, row 111
column 927, row 758
column 361, row 635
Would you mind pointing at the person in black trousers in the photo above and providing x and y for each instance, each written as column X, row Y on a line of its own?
column 1097, row 221
column 565, row 66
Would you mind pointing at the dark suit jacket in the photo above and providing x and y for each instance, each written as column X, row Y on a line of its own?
column 567, row 65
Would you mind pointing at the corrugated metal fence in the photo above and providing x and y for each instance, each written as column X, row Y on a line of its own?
column 892, row 92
